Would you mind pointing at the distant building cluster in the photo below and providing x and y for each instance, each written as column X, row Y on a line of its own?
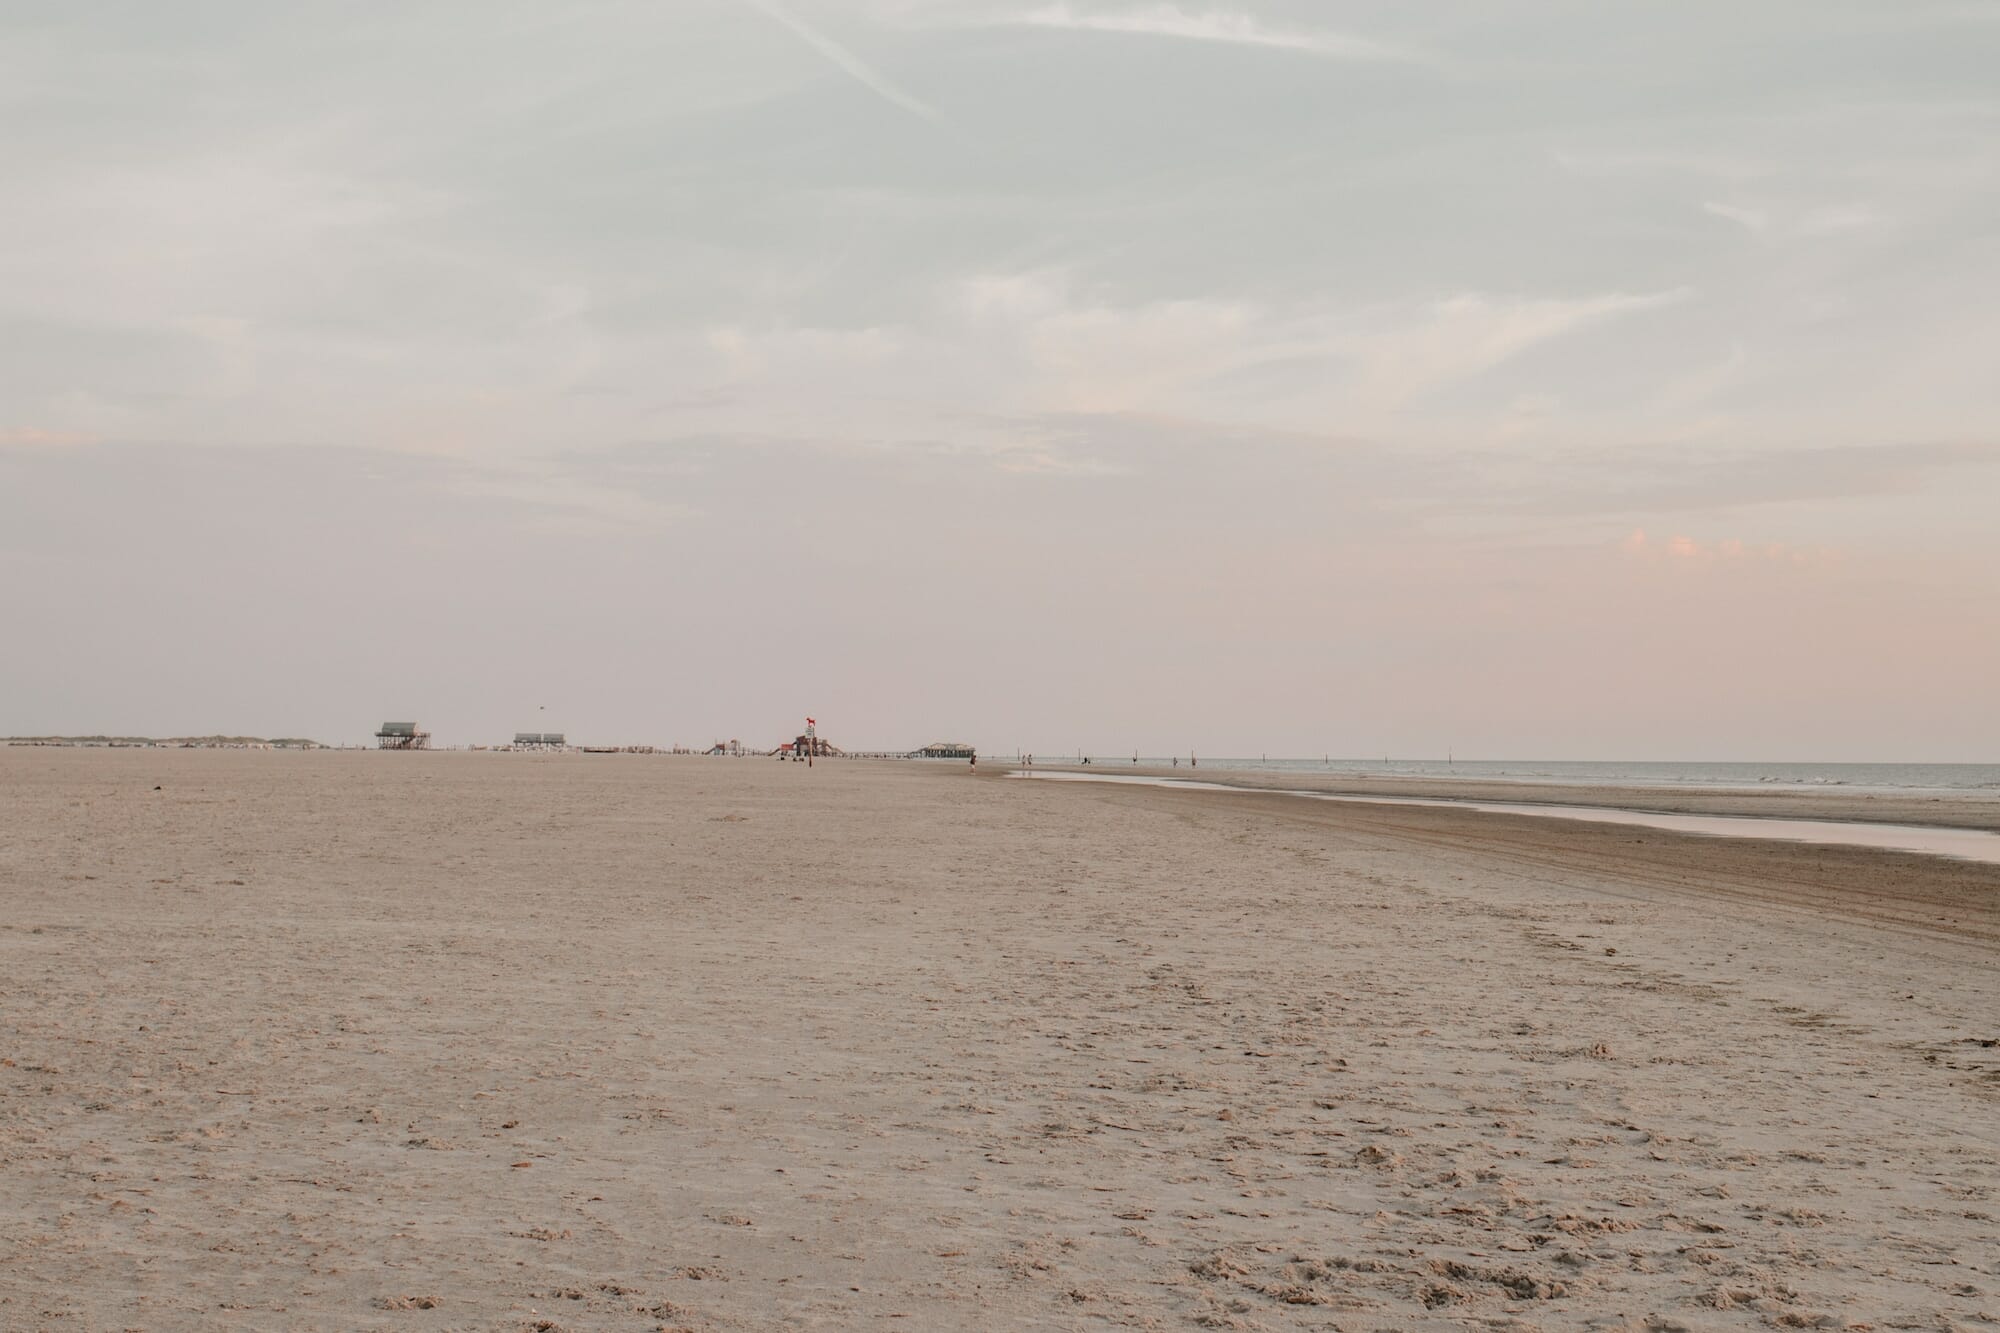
column 807, row 745
column 412, row 736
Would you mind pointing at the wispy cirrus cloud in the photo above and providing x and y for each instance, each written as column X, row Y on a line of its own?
column 1644, row 484
column 1470, row 334
column 1213, row 25
column 1750, row 219
column 1051, row 341
column 1831, row 220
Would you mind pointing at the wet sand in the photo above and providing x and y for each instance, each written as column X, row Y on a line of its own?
column 630, row 1042
column 1968, row 844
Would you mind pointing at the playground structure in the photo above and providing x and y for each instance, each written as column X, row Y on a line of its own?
column 402, row 736
column 813, row 746
column 809, row 746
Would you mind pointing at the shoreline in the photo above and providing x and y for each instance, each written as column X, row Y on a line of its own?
column 1975, row 810
column 1976, row 845
column 1885, row 888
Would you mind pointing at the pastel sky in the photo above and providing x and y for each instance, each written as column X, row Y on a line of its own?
column 1546, row 378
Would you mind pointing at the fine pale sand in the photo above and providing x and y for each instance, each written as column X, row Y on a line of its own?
column 464, row 1041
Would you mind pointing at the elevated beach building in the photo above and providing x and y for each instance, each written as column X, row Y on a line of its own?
column 946, row 750
column 402, row 736
column 540, row 740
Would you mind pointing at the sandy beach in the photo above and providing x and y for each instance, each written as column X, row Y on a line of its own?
column 480, row 1041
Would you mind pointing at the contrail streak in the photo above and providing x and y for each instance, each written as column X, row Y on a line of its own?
column 844, row 58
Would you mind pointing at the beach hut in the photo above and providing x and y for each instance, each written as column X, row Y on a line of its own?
column 402, row 736
column 540, row 740
column 946, row 750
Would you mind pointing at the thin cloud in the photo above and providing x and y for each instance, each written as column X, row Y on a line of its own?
column 1053, row 463
column 1648, row 163
column 1469, row 335
column 1682, row 549
column 34, row 437
column 1631, row 483
column 872, row 79
column 1829, row 221
column 1212, row 25
column 1750, row 218
column 573, row 498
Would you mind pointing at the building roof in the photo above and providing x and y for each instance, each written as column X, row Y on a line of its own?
column 398, row 729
